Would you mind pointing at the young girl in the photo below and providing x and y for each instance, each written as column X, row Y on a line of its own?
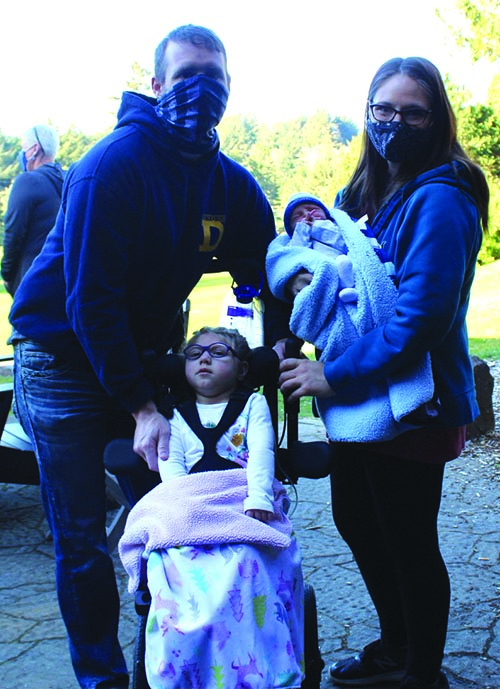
column 223, row 569
column 216, row 366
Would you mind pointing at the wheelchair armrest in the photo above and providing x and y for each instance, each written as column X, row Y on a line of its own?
column 120, row 458
column 134, row 477
column 310, row 459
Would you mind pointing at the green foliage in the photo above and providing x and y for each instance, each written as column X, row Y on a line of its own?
column 305, row 154
column 485, row 348
column 490, row 251
column 482, row 36
column 479, row 133
column 139, row 79
column 9, row 167
column 479, row 128
column 74, row 145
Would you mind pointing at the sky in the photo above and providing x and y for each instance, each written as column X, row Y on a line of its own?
column 67, row 61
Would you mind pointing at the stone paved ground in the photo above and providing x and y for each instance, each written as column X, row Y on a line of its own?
column 33, row 652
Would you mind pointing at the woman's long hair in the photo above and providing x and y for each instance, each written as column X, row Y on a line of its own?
column 369, row 183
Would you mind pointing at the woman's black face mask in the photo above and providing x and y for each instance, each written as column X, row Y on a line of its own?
column 399, row 142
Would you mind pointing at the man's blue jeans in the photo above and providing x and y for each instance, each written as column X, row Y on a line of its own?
column 69, row 419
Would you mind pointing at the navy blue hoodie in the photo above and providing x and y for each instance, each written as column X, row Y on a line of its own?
column 31, row 212
column 138, row 226
column 431, row 230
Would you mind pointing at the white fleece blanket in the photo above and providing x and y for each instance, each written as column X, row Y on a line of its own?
column 368, row 413
column 201, row 508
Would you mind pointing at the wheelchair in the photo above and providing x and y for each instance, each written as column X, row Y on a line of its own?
column 297, row 459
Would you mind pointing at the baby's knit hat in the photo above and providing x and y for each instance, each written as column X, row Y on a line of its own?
column 296, row 200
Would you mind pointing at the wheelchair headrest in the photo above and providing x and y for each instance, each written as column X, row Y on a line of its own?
column 263, row 365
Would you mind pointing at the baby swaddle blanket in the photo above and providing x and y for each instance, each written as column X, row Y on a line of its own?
column 369, row 413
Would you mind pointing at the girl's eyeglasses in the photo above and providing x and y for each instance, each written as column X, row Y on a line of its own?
column 217, row 350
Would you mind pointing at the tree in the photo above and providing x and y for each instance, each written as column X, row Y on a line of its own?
column 479, row 129
column 483, row 23
column 139, row 79
column 9, row 167
column 74, row 145
column 479, row 125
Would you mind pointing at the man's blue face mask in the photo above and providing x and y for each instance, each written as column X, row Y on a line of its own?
column 22, row 160
column 191, row 110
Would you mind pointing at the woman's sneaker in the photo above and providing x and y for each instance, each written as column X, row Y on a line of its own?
column 414, row 683
column 371, row 666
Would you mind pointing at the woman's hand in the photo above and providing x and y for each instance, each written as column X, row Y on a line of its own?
column 302, row 378
column 152, row 435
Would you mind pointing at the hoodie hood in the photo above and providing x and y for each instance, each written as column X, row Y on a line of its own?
column 54, row 173
column 139, row 111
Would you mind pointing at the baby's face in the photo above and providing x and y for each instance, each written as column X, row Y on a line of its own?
column 308, row 213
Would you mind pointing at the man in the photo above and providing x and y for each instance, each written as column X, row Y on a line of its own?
column 33, row 203
column 143, row 214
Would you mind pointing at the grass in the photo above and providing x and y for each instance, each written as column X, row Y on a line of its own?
column 483, row 319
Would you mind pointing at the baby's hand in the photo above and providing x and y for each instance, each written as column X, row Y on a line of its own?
column 298, row 282
column 261, row 515
column 348, row 293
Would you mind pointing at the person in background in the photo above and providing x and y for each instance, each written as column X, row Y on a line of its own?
column 423, row 195
column 34, row 200
column 143, row 215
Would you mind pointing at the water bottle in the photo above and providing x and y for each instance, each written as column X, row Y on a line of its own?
column 243, row 310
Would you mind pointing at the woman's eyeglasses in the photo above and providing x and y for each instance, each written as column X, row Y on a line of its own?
column 217, row 350
column 386, row 113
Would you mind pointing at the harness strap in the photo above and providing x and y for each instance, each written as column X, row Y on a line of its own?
column 211, row 461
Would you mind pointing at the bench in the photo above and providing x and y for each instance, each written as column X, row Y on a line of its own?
column 18, row 462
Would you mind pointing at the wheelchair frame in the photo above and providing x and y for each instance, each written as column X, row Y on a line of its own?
column 292, row 462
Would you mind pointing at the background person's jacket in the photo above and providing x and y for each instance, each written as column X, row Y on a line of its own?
column 119, row 263
column 34, row 200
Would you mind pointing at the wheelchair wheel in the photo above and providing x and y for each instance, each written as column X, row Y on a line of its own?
column 313, row 661
column 139, row 680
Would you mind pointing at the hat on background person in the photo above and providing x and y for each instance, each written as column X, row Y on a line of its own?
column 296, row 200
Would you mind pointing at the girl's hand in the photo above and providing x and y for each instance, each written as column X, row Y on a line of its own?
column 261, row 515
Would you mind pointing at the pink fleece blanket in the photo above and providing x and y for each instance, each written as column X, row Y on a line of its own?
column 202, row 508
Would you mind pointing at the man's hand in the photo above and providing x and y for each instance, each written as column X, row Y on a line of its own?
column 152, row 435
column 303, row 378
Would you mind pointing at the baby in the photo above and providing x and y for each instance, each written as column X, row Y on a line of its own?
column 308, row 223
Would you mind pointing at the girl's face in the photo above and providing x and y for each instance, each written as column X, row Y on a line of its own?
column 214, row 379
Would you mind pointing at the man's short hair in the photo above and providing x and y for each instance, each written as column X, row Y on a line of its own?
column 45, row 136
column 189, row 33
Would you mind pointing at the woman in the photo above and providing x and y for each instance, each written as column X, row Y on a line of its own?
column 426, row 202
